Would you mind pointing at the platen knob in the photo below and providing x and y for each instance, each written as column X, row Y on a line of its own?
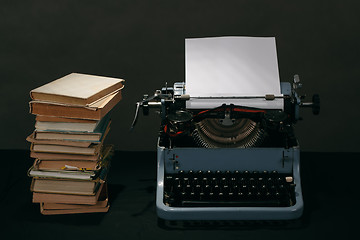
column 316, row 104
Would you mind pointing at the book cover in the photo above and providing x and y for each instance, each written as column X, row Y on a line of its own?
column 95, row 127
column 93, row 149
column 64, row 164
column 102, row 202
column 31, row 139
column 65, row 126
column 81, row 161
column 65, row 186
column 77, row 88
column 63, row 156
column 39, row 197
column 74, row 210
column 94, row 111
column 42, row 118
column 93, row 137
column 65, row 174
column 73, row 172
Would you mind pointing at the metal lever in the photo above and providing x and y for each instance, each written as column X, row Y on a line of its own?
column 136, row 116
column 146, row 103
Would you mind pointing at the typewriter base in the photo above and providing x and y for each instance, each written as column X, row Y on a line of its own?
column 251, row 159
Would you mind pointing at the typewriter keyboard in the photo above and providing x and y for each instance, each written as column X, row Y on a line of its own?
column 229, row 189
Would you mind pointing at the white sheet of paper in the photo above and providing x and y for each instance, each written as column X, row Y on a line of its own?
column 232, row 67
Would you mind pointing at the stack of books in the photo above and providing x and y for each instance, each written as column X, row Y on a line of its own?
column 71, row 160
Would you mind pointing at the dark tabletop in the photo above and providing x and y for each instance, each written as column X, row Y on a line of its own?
column 329, row 182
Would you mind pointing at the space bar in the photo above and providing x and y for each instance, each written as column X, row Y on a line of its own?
column 242, row 203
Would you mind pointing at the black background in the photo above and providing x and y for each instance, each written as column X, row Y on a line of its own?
column 143, row 42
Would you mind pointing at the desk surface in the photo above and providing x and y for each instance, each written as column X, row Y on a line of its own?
column 329, row 181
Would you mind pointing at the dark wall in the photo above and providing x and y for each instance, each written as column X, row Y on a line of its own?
column 143, row 42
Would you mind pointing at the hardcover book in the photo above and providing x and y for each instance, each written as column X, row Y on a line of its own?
column 89, row 209
column 67, row 136
column 102, row 205
column 63, row 156
column 76, row 88
column 42, row 118
column 40, row 197
column 65, row 164
column 49, row 148
column 94, row 111
column 65, row 186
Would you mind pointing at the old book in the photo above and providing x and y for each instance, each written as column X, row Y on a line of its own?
column 39, row 197
column 73, row 172
column 97, row 126
column 94, row 111
column 101, row 203
column 65, row 186
column 93, row 149
column 42, row 118
column 65, row 126
column 62, row 164
column 59, row 142
column 65, row 174
column 89, row 209
column 93, row 137
column 106, row 153
column 76, row 88
column 63, row 156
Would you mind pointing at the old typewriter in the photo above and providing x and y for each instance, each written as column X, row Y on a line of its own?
column 218, row 159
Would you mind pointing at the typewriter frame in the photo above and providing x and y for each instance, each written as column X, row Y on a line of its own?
column 279, row 159
column 282, row 160
column 173, row 158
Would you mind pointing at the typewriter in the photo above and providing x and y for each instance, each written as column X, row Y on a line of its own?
column 220, row 160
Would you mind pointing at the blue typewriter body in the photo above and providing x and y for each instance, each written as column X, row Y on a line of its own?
column 230, row 156
column 247, row 159
column 251, row 182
